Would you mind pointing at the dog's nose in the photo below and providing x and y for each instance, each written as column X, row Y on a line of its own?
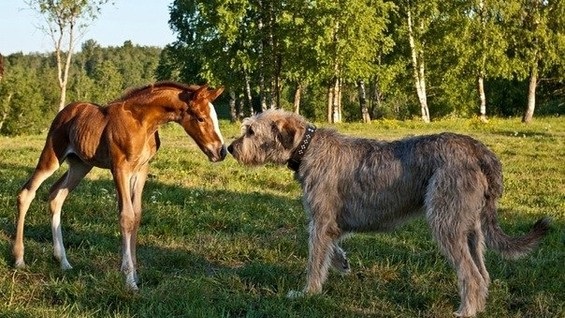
column 230, row 148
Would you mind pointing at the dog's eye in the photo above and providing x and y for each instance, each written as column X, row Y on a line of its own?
column 250, row 131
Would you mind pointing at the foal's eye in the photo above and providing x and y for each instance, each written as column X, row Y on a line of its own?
column 200, row 119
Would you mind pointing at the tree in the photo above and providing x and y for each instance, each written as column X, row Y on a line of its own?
column 24, row 95
column 418, row 16
column 538, row 33
column 65, row 21
column 314, row 56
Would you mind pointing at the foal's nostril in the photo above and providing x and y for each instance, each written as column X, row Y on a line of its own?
column 230, row 148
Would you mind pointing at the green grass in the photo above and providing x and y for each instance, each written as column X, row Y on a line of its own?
column 222, row 240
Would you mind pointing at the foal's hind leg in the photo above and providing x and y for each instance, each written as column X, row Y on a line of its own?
column 58, row 194
column 47, row 164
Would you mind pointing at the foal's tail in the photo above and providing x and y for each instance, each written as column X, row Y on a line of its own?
column 508, row 246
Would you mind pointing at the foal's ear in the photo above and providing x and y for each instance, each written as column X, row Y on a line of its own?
column 213, row 94
column 284, row 133
column 201, row 92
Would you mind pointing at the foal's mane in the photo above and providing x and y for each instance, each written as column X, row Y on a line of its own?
column 135, row 91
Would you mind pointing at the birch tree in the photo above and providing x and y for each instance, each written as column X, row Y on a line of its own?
column 418, row 17
column 65, row 21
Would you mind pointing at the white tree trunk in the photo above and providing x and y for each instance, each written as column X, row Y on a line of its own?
column 529, row 113
column 482, row 66
column 6, row 110
column 248, row 94
column 419, row 71
column 233, row 110
column 63, row 66
column 482, row 98
column 297, row 96
column 336, row 113
column 330, row 104
column 363, row 101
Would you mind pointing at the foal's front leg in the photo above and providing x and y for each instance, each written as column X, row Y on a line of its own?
column 137, row 184
column 122, row 179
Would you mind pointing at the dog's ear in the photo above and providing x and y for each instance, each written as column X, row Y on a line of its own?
column 284, row 133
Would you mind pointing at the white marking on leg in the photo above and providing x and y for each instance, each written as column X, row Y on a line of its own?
column 58, row 246
column 56, row 204
column 127, row 263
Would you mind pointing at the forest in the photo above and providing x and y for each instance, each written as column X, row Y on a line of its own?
column 332, row 61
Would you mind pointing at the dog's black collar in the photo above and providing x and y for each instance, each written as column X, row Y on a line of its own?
column 296, row 156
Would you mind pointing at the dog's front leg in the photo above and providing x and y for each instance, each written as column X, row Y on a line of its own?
column 320, row 248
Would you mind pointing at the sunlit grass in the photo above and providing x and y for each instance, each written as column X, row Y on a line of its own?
column 222, row 240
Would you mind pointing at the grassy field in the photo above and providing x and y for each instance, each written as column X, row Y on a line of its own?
column 221, row 240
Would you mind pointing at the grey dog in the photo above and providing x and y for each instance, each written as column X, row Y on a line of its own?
column 357, row 185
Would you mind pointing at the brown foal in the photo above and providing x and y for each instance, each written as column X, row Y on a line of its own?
column 122, row 137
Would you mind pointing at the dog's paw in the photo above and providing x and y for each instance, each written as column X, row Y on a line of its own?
column 343, row 268
column 341, row 264
column 293, row 294
column 464, row 313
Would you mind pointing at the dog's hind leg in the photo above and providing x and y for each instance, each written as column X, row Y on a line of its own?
column 476, row 241
column 452, row 209
column 57, row 195
column 453, row 242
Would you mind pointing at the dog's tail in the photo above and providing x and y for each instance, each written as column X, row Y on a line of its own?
column 508, row 246
column 511, row 247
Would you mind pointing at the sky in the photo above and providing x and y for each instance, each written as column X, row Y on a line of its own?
column 143, row 22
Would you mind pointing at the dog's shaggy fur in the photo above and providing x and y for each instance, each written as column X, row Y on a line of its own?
column 354, row 184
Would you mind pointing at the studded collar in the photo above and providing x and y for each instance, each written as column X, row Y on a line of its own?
column 296, row 156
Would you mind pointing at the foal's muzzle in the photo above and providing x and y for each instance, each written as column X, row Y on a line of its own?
column 217, row 154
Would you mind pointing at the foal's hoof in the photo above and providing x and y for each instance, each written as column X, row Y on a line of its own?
column 132, row 286
column 66, row 266
column 293, row 294
column 20, row 264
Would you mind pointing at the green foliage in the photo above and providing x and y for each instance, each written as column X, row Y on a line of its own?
column 29, row 94
column 309, row 43
column 24, row 98
column 222, row 240
column 266, row 49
